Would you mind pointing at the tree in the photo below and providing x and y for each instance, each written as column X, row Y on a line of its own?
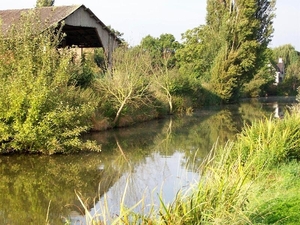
column 150, row 45
column 167, row 82
column 260, row 83
column 196, row 55
column 245, row 29
column 287, row 52
column 230, row 47
column 126, row 85
column 161, row 49
column 44, row 3
column 291, row 58
column 293, row 74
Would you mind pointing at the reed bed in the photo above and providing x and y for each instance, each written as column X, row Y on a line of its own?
column 237, row 182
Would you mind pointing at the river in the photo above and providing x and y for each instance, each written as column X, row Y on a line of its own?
column 142, row 163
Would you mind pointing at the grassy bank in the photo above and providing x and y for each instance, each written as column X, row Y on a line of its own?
column 276, row 199
column 251, row 181
column 254, row 180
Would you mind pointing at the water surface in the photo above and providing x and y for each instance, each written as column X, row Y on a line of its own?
column 149, row 160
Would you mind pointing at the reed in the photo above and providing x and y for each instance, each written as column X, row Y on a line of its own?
column 270, row 142
column 234, row 173
column 220, row 196
column 232, row 178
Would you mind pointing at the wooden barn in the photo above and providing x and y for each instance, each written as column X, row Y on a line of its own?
column 81, row 26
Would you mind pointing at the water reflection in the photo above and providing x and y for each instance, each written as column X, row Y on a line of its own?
column 29, row 185
column 153, row 158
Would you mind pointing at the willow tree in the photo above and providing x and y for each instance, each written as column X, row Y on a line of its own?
column 245, row 29
column 291, row 60
column 287, row 52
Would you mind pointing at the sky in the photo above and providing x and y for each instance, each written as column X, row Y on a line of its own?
column 138, row 18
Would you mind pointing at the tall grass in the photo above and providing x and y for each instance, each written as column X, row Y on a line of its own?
column 276, row 199
column 271, row 141
column 235, row 181
column 233, row 174
column 220, row 196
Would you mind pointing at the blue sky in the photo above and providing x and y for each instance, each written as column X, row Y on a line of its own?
column 138, row 18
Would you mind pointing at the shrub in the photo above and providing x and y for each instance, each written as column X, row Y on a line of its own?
column 126, row 85
column 40, row 111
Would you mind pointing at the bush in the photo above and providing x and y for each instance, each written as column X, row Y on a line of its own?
column 40, row 111
column 126, row 85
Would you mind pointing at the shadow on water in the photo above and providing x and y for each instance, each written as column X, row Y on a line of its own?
column 154, row 158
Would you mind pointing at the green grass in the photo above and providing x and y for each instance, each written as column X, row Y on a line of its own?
column 277, row 198
column 254, row 180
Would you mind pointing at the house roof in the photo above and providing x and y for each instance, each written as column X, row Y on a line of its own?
column 280, row 67
column 54, row 15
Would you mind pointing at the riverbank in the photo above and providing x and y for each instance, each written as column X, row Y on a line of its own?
column 276, row 199
column 253, row 180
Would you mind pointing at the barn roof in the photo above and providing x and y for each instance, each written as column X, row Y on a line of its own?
column 52, row 16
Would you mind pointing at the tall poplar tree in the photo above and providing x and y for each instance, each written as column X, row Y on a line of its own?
column 244, row 28
column 231, row 47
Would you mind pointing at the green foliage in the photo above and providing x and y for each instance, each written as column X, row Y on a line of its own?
column 179, row 91
column 100, row 59
column 277, row 200
column 171, row 87
column 292, row 76
column 40, row 111
column 262, row 84
column 230, row 49
column 162, row 49
column 287, row 52
column 271, row 142
column 243, row 47
column 84, row 73
column 257, row 86
column 291, row 61
column 127, row 84
column 44, row 3
column 195, row 57
column 224, row 73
